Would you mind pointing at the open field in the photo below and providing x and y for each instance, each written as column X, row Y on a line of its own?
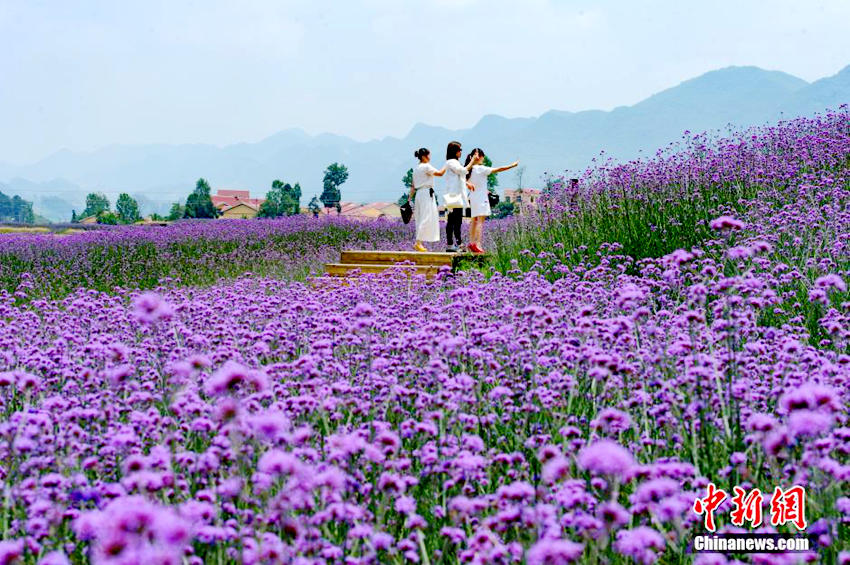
column 567, row 405
column 192, row 252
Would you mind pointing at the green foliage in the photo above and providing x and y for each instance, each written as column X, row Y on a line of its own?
column 651, row 224
column 335, row 175
column 314, row 206
column 282, row 200
column 408, row 182
column 492, row 181
column 127, row 209
column 74, row 219
column 177, row 211
column 96, row 202
column 199, row 203
column 15, row 209
column 503, row 209
column 108, row 218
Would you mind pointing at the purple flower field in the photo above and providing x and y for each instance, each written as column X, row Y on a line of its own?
column 568, row 412
column 189, row 252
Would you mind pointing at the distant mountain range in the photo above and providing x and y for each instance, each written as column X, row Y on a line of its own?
column 729, row 98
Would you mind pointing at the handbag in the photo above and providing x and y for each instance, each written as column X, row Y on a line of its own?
column 406, row 212
column 453, row 200
column 493, row 199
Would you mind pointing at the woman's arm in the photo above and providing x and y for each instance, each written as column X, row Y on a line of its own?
column 470, row 186
column 441, row 172
column 506, row 168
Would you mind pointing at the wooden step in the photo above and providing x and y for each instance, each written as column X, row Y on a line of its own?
column 342, row 269
column 356, row 257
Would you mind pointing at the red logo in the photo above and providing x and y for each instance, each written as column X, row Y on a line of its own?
column 709, row 504
column 747, row 507
column 786, row 506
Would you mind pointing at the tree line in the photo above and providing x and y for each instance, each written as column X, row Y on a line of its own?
column 15, row 209
column 98, row 206
column 283, row 199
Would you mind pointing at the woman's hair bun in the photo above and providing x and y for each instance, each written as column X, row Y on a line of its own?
column 421, row 152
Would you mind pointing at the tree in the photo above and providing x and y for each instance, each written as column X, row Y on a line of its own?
column 16, row 209
column 199, row 204
column 408, row 182
column 335, row 175
column 108, row 218
column 520, row 172
column 96, row 202
column 127, row 209
column 295, row 196
column 282, row 200
column 503, row 210
column 492, row 181
column 177, row 211
column 5, row 208
column 74, row 219
column 314, row 207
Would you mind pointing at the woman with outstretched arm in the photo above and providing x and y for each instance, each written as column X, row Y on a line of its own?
column 479, row 199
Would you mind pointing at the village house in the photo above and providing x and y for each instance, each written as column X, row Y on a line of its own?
column 235, row 204
column 242, row 210
column 523, row 199
column 371, row 210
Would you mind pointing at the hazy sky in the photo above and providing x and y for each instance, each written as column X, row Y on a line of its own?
column 83, row 74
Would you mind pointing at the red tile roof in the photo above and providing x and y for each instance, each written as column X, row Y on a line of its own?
column 227, row 198
column 244, row 194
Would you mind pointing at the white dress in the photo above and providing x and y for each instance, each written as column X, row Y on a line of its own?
column 424, row 204
column 456, row 181
column 479, row 199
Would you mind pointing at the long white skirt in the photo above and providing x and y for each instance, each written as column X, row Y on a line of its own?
column 426, row 215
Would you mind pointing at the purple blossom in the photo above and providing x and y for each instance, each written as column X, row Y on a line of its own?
column 722, row 223
column 642, row 544
column 606, row 457
column 554, row 552
column 149, row 307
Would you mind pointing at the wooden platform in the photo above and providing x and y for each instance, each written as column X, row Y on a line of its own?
column 428, row 263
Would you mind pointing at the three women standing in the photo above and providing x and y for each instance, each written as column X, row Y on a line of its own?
column 466, row 187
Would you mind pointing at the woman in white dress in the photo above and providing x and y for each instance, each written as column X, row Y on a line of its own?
column 479, row 199
column 424, row 200
column 456, row 197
